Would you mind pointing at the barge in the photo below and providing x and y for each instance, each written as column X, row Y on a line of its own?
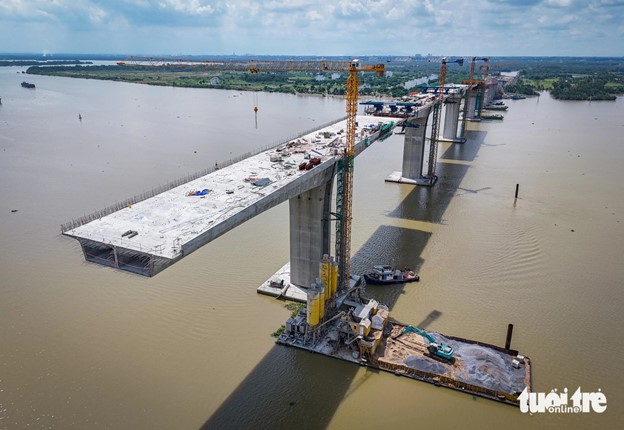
column 359, row 330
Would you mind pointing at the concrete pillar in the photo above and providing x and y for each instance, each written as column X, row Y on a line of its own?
column 310, row 233
column 472, row 104
column 413, row 151
column 414, row 148
column 487, row 95
column 451, row 120
column 490, row 92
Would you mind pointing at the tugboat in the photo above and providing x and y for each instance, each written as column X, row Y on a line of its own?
column 382, row 275
column 27, row 85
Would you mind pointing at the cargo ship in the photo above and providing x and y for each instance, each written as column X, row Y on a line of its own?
column 351, row 327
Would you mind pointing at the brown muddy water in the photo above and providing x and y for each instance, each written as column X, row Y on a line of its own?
column 83, row 346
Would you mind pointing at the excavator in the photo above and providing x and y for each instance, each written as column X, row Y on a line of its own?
column 436, row 350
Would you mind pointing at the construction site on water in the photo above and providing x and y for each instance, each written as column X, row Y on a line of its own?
column 337, row 320
column 344, row 324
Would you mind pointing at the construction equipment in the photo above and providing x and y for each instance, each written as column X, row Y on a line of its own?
column 345, row 165
column 472, row 82
column 436, row 350
column 486, row 70
column 435, row 126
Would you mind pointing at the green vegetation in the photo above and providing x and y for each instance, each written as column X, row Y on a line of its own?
column 567, row 78
column 523, row 87
column 282, row 82
column 583, row 88
column 294, row 308
column 279, row 331
column 575, row 78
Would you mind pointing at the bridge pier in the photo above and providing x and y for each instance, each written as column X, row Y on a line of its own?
column 413, row 153
column 472, row 104
column 310, row 232
column 451, row 122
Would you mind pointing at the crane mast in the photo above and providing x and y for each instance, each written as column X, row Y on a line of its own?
column 486, row 70
column 344, row 192
column 344, row 185
column 435, row 126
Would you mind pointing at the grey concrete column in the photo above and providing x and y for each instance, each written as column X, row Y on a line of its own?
column 490, row 92
column 472, row 104
column 414, row 148
column 310, row 233
column 451, row 120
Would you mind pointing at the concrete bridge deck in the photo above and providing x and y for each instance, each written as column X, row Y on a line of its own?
column 150, row 235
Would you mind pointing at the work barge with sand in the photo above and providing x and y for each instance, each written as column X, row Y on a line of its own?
column 348, row 326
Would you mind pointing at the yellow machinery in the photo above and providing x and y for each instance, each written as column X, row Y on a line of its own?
column 325, row 268
column 313, row 306
column 345, row 175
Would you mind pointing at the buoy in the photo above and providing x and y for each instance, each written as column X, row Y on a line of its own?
column 255, row 109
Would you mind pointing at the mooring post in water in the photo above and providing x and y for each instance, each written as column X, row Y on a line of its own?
column 508, row 340
column 517, row 188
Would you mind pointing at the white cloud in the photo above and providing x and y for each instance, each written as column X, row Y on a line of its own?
column 313, row 15
column 448, row 27
column 96, row 14
column 192, row 7
column 559, row 3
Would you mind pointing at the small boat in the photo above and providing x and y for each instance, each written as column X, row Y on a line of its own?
column 496, row 107
column 27, row 85
column 491, row 116
column 389, row 275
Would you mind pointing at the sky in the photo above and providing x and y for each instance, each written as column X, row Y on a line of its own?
column 303, row 27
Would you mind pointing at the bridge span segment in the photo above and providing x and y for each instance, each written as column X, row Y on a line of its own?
column 151, row 235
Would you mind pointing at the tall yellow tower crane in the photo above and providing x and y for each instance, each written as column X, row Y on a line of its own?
column 344, row 193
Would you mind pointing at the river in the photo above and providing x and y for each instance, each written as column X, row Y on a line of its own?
column 83, row 346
